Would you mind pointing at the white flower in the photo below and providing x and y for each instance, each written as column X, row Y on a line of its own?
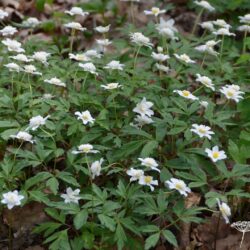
column 186, row 94
column 79, row 57
column 96, row 167
column 41, row 56
column 202, row 131
column 208, row 25
column 225, row 210
column 114, row 65
column 21, row 58
column 102, row 29
column 12, row 199
column 232, row 92
column 113, row 85
column 31, row 22
column 103, row 42
column 143, row 120
column 85, row 148
column 149, row 162
column 245, row 19
column 184, row 58
column 3, row 14
column 148, row 181
column 23, row 136
column 140, row 40
column 131, row 0
column 13, row 45
column 221, row 23
column 154, row 11
column 71, row 196
column 31, row 69
column 143, row 108
column 206, row 5
column 55, row 81
column 37, row 121
column 47, row 96
column 204, row 104
column 245, row 28
column 167, row 29
column 8, row 31
column 76, row 11
column 85, row 117
column 88, row 67
column 13, row 67
column 208, row 47
column 92, row 54
column 160, row 57
column 75, row 26
column 205, row 81
column 215, row 155
column 223, row 32
column 179, row 185
column 162, row 67
column 135, row 174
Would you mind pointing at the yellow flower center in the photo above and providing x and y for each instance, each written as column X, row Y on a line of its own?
column 148, row 179
column 230, row 93
column 155, row 10
column 85, row 117
column 201, row 130
column 185, row 93
column 178, row 186
column 216, row 155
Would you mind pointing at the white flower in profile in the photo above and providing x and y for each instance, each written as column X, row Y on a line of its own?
column 23, row 136
column 21, row 58
column 206, row 81
column 55, row 81
column 135, row 174
column 162, row 67
column 208, row 47
column 208, row 25
column 79, row 57
column 13, row 45
column 131, row 1
column 111, row 86
column 186, row 94
column 75, row 26
column 223, row 32
column 12, row 199
column 148, row 181
column 245, row 19
column 215, row 154
column 8, row 31
column 202, row 131
column 31, row 22
column 13, row 67
column 232, row 92
column 114, row 65
column 179, row 185
column 222, row 23
column 71, row 196
column 225, row 210
column 150, row 162
column 31, row 69
column 85, row 116
column 159, row 57
column 92, row 54
column 37, row 121
column 85, row 148
column 3, row 14
column 103, row 42
column 76, row 11
column 204, row 104
column 144, row 108
column 41, row 56
column 88, row 67
column 204, row 4
column 167, row 29
column 96, row 168
column 245, row 28
column 184, row 58
column 155, row 11
column 141, row 121
column 140, row 40
column 102, row 29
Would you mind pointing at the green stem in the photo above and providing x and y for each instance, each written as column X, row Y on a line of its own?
column 85, row 79
column 136, row 55
column 17, row 151
column 73, row 31
column 244, row 43
column 201, row 87
column 221, row 48
column 197, row 21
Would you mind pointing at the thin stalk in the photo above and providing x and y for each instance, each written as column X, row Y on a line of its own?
column 197, row 21
column 85, row 79
column 242, row 239
column 115, row 110
column 221, row 48
column 73, row 31
column 244, row 43
column 12, row 84
column 201, row 87
column 203, row 60
column 136, row 55
column 17, row 151
column 132, row 12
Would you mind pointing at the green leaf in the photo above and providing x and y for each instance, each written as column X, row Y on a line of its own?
column 53, row 185
column 151, row 241
column 80, row 219
column 149, row 148
column 169, row 236
column 107, row 222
